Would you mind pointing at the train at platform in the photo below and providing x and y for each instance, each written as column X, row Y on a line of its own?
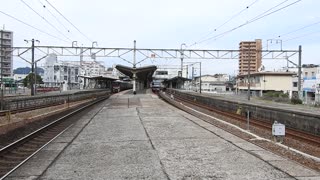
column 118, row 86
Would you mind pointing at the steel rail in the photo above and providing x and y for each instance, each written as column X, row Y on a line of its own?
column 28, row 138
column 293, row 133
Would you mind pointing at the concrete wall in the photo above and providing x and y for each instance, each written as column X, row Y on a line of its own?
column 292, row 119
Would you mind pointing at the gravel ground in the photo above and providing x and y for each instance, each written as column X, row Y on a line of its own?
column 271, row 146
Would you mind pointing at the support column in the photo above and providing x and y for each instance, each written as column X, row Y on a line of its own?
column 299, row 74
column 134, row 67
column 32, row 78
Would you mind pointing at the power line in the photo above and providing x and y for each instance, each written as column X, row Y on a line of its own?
column 68, row 21
column 251, row 21
column 285, row 34
column 54, row 16
column 33, row 26
column 302, row 36
column 44, row 19
column 234, row 16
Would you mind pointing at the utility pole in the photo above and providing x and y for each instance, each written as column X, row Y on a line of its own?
column 200, row 78
column 299, row 74
column 181, row 56
column 249, row 69
column 2, row 54
column 134, row 67
column 32, row 78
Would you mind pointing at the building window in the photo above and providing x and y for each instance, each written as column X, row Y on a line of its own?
column 55, row 77
column 162, row 73
column 312, row 74
column 295, row 84
column 306, row 74
column 65, row 78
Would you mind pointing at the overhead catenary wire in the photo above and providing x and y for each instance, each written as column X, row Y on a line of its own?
column 232, row 17
column 32, row 26
column 44, row 6
column 264, row 14
column 304, row 27
column 301, row 36
column 68, row 21
column 45, row 19
column 296, row 30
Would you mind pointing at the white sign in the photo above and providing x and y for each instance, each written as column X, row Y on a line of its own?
column 278, row 129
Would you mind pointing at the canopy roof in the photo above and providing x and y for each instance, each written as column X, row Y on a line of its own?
column 142, row 73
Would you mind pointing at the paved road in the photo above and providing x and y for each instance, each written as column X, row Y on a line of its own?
column 141, row 137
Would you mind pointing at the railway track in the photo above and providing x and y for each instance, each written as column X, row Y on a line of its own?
column 292, row 133
column 17, row 153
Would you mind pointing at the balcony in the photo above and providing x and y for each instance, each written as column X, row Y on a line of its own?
column 244, row 84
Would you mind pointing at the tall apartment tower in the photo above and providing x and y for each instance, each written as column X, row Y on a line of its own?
column 6, row 42
column 250, row 51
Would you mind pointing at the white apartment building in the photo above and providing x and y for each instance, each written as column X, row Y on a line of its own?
column 311, row 83
column 6, row 43
column 211, row 83
column 261, row 82
column 70, row 74
column 60, row 74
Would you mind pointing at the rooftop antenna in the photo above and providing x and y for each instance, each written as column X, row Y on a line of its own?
column 3, row 27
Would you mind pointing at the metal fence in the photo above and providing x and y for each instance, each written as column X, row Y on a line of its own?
column 20, row 103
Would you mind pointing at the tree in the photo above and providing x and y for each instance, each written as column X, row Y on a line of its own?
column 27, row 70
column 27, row 80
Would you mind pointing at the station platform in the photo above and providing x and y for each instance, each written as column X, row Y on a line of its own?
column 142, row 137
column 258, row 102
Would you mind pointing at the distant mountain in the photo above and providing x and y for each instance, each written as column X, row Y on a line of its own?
column 26, row 70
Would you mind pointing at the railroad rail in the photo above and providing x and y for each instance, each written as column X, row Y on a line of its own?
column 17, row 153
column 292, row 133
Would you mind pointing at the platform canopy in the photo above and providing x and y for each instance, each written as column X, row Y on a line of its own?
column 142, row 73
column 176, row 82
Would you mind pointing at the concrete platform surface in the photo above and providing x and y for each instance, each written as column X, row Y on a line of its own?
column 141, row 137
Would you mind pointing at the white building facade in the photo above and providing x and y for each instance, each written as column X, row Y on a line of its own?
column 211, row 83
column 6, row 43
column 261, row 82
column 70, row 74
column 60, row 74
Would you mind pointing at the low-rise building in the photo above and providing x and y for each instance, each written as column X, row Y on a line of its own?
column 58, row 74
column 311, row 83
column 262, row 82
column 211, row 83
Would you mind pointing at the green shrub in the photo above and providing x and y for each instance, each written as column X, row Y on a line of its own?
column 296, row 101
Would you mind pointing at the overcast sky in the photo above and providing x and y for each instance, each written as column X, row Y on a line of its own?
column 168, row 24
